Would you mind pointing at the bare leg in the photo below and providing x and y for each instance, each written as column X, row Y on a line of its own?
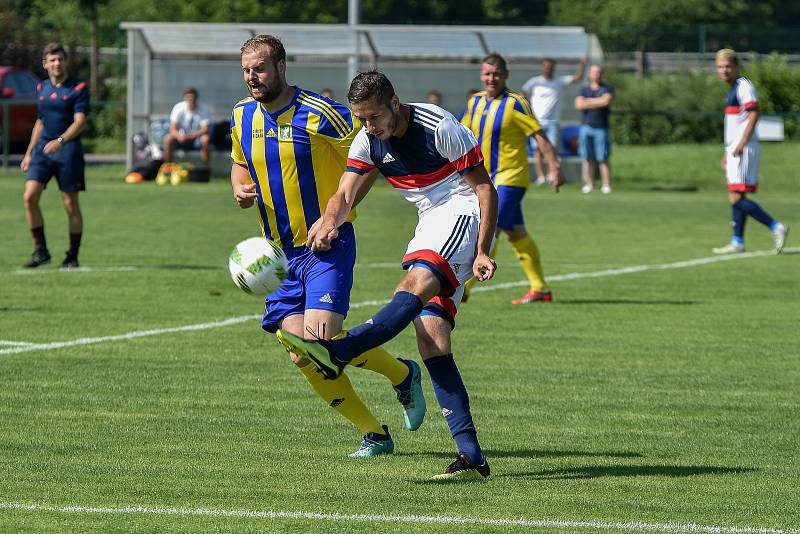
column 169, row 145
column 33, row 213
column 73, row 209
column 587, row 168
column 605, row 173
column 205, row 152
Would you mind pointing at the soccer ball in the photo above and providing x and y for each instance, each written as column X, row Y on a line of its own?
column 258, row 266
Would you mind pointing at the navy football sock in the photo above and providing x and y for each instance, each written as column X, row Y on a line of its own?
column 454, row 401
column 738, row 220
column 38, row 238
column 755, row 211
column 383, row 326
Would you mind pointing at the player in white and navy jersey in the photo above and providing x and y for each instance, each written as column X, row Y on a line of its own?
column 742, row 154
column 435, row 163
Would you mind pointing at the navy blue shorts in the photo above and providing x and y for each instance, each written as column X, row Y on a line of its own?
column 509, row 206
column 66, row 165
column 316, row 281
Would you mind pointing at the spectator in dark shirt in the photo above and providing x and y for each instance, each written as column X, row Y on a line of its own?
column 594, row 102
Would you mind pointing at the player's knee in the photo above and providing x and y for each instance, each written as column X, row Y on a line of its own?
column 71, row 204
column 30, row 200
column 420, row 282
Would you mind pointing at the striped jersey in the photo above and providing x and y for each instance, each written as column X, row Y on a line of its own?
column 426, row 164
column 739, row 101
column 502, row 124
column 296, row 157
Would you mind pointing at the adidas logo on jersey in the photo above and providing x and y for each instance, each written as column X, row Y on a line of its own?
column 388, row 158
column 271, row 133
column 446, row 412
column 326, row 298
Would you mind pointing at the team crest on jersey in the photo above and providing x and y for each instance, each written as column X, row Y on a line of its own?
column 285, row 132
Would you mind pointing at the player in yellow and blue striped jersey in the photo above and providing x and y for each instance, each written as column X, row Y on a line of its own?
column 502, row 121
column 289, row 151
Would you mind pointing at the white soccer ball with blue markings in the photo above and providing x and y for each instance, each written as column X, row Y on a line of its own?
column 258, row 266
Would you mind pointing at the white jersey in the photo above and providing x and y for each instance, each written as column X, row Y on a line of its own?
column 739, row 101
column 426, row 164
column 545, row 96
column 189, row 122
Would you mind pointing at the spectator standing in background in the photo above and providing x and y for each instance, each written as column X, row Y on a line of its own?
column 544, row 92
column 327, row 93
column 594, row 144
column 188, row 127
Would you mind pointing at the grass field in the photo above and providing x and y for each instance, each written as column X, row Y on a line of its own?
column 643, row 398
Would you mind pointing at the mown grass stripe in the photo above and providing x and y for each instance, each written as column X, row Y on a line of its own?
column 490, row 287
column 639, row 526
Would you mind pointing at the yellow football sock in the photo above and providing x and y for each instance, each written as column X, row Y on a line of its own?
column 339, row 395
column 528, row 256
column 379, row 361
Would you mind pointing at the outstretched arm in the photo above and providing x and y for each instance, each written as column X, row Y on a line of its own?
column 578, row 76
column 352, row 188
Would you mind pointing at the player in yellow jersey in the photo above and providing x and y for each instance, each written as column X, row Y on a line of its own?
column 289, row 151
column 502, row 121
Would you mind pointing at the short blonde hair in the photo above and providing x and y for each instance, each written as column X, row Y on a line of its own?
column 728, row 54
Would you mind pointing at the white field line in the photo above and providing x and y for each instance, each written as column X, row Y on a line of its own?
column 410, row 519
column 14, row 343
column 396, row 265
column 489, row 287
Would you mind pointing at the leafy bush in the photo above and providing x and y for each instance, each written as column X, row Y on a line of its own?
column 687, row 107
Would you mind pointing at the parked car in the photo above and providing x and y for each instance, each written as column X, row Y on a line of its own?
column 18, row 84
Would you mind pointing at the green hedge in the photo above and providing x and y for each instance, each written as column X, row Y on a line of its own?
column 687, row 107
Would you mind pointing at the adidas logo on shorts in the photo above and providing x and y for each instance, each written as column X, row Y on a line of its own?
column 326, row 298
column 388, row 158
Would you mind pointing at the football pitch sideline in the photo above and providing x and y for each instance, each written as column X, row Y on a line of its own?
column 658, row 392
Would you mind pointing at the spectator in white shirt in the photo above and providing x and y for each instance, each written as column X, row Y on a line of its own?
column 188, row 127
column 544, row 92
